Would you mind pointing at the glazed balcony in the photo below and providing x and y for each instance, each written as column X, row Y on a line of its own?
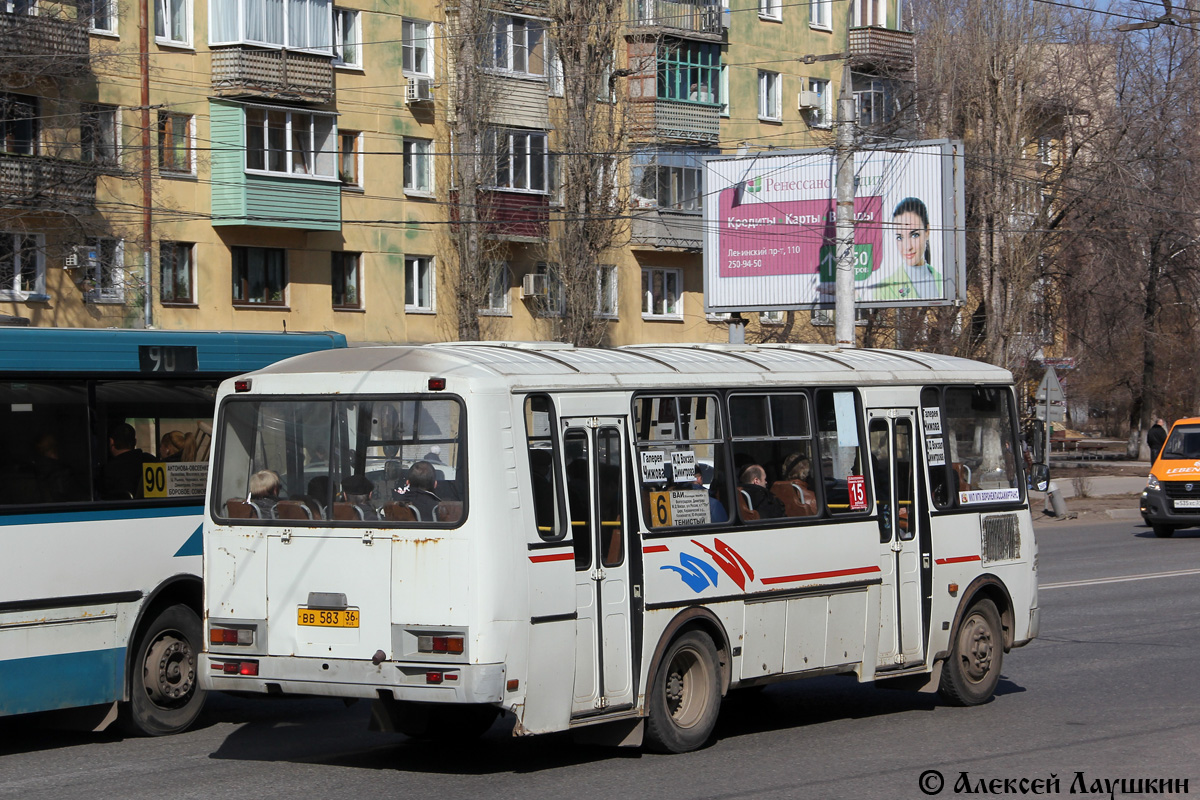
column 44, row 46
column 881, row 49
column 693, row 19
column 52, row 184
column 285, row 75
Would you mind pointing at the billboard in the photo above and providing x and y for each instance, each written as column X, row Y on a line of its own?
column 770, row 228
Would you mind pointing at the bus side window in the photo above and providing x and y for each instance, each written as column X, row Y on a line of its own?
column 839, row 441
column 543, row 478
column 608, row 479
column 579, row 495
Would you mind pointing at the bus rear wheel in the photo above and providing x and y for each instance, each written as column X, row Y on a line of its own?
column 972, row 672
column 685, row 697
column 164, row 696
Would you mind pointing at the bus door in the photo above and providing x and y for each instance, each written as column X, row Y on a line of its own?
column 593, row 449
column 901, row 638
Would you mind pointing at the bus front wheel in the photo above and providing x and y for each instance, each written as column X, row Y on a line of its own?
column 973, row 669
column 685, row 697
column 164, row 696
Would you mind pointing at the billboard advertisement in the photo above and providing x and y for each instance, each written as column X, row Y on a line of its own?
column 770, row 228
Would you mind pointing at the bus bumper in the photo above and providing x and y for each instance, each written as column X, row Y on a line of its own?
column 1035, row 624
column 331, row 677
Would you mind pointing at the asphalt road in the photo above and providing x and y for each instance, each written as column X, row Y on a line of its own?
column 1109, row 691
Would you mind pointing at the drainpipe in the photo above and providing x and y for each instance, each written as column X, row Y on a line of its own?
column 144, row 69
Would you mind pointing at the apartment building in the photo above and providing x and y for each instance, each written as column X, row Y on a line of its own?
column 271, row 165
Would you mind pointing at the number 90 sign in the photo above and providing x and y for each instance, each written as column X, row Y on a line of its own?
column 154, row 480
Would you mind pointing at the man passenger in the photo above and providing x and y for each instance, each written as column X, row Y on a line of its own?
column 422, row 480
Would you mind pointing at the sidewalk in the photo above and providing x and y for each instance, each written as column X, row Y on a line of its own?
column 1088, row 494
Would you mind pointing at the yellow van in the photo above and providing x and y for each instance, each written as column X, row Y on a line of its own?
column 1171, row 499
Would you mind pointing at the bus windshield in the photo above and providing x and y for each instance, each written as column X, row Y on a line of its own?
column 385, row 460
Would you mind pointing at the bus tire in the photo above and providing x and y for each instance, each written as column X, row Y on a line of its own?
column 685, row 698
column 973, row 668
column 164, row 694
column 1163, row 531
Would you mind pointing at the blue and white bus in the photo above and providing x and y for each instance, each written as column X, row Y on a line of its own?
column 106, row 437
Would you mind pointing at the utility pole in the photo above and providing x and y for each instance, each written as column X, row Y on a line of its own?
column 147, row 197
column 844, row 153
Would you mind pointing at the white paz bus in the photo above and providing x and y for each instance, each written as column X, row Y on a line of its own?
column 608, row 541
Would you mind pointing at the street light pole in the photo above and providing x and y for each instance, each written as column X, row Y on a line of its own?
column 844, row 148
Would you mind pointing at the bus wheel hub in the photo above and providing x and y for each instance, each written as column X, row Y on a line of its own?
column 171, row 670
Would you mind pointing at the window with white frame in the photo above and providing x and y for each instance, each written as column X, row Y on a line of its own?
column 499, row 288
column 822, row 115
column 105, row 270
column 20, row 124
column 177, row 272
column 290, row 24
column 22, row 266
column 607, row 305
column 819, row 14
column 825, row 317
column 260, row 276
column 173, row 22
column 768, row 95
column 873, row 102
column 770, row 9
column 724, row 90
column 870, row 13
column 520, row 159
column 350, row 158
column 662, row 293
column 416, row 56
column 102, row 16
column 175, row 136
column 555, row 301
column 772, row 317
column 346, row 280
column 98, row 134
column 418, row 166
column 669, row 179
column 27, row 7
column 518, row 45
column 418, row 283
column 347, row 38
column 291, row 142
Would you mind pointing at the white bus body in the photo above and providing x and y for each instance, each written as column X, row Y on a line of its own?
column 579, row 575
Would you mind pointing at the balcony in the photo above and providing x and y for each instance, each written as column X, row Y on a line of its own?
column 510, row 216
column 42, row 182
column 694, row 19
column 664, row 228
column 881, row 49
column 275, row 74
column 675, row 120
column 45, row 46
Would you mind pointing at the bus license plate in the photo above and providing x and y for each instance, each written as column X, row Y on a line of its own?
column 328, row 618
column 1187, row 503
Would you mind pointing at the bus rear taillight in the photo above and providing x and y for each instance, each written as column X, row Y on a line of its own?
column 440, row 644
column 220, row 635
column 236, row 667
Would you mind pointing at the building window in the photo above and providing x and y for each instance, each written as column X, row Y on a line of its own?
column 173, row 22
column 98, row 135
column 770, row 9
column 291, row 24
column 102, row 16
column 176, row 276
column 19, row 124
column 22, row 266
column 260, row 276
column 723, row 94
column 870, row 13
column 819, row 14
column 822, row 115
column 105, row 270
column 606, row 291
column 872, row 103
column 414, row 48
column 825, row 317
column 499, row 283
column 291, row 142
column 517, row 46
column 555, row 301
column 768, row 95
column 346, row 278
column 772, row 317
column 347, row 38
column 689, row 71
column 670, row 179
column 350, row 158
column 520, row 159
column 26, row 7
column 418, row 283
column 662, row 293
column 175, row 143
column 418, row 166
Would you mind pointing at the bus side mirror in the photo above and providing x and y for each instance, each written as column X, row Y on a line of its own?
column 1039, row 479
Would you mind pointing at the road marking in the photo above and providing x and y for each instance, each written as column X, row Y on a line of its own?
column 1120, row 579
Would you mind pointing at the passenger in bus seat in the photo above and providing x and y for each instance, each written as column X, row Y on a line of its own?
column 121, row 476
column 177, row 446
column 264, row 487
column 753, row 487
column 357, row 490
column 794, row 491
column 419, row 492
column 716, row 509
column 55, row 481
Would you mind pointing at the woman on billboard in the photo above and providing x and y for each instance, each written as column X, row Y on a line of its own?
column 915, row 278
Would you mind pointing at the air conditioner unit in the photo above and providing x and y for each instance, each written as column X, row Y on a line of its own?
column 806, row 101
column 419, row 90
column 534, row 285
column 72, row 259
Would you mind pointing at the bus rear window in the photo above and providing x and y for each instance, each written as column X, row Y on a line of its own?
column 378, row 461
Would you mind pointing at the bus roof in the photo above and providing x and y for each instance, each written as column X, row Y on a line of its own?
column 523, row 365
column 91, row 350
